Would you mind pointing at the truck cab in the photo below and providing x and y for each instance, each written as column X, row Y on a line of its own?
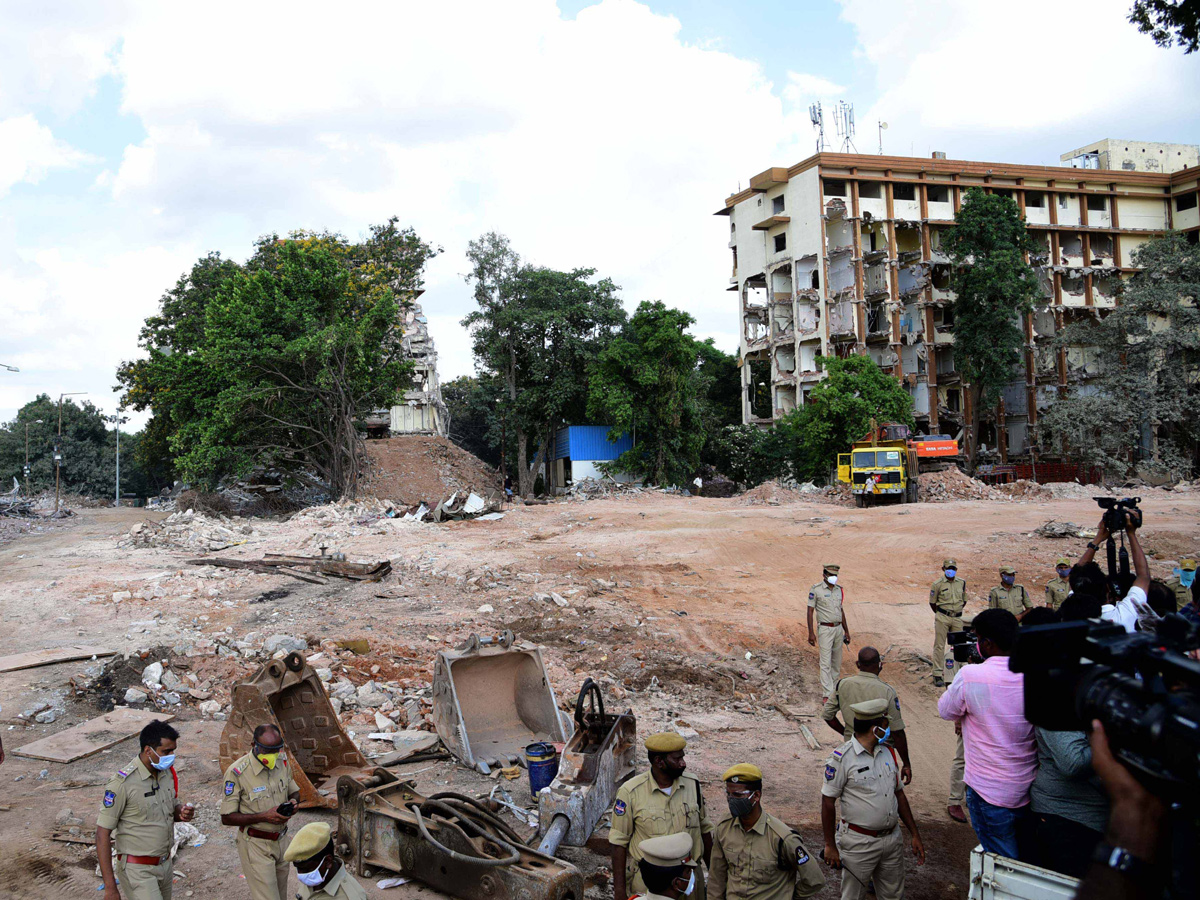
column 886, row 470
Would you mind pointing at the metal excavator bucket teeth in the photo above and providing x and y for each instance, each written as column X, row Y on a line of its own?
column 288, row 694
column 451, row 842
column 492, row 698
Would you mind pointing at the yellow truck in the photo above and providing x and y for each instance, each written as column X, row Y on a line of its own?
column 884, row 465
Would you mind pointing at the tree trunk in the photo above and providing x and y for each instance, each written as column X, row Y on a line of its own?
column 975, row 394
column 524, row 481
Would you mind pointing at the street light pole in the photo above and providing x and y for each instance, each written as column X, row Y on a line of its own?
column 118, row 420
column 58, row 447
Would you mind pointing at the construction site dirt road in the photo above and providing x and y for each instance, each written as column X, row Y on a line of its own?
column 690, row 611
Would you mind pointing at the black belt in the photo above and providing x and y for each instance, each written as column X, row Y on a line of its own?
column 953, row 615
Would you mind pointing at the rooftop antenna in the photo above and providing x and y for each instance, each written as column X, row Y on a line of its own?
column 817, row 117
column 844, row 118
column 882, row 129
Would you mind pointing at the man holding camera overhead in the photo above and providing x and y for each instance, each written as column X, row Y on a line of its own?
column 1087, row 578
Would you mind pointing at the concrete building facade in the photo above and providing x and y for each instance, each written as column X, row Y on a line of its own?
column 841, row 254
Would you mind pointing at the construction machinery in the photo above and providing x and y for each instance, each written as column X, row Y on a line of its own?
column 491, row 699
column 451, row 842
column 288, row 694
column 886, row 463
column 597, row 758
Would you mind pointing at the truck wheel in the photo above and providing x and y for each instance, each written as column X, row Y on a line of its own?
column 859, row 501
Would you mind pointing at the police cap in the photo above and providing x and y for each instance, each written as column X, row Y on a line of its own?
column 308, row 842
column 665, row 742
column 668, row 850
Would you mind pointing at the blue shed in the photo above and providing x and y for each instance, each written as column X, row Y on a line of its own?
column 578, row 449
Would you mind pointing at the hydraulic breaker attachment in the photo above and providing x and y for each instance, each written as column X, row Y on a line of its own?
column 288, row 694
column 451, row 842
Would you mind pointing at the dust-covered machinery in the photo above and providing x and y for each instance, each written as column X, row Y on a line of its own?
column 491, row 699
column 597, row 758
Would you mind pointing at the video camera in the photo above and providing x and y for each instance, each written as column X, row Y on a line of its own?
column 1115, row 512
column 1141, row 687
column 963, row 644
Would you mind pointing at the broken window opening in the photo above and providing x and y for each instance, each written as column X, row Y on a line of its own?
column 780, row 241
column 870, row 190
column 903, row 191
column 781, row 283
column 841, row 273
column 777, row 205
column 785, row 399
column 1101, row 248
column 1036, row 199
column 943, row 316
column 809, row 354
column 808, row 273
column 938, row 194
column 758, row 391
column 1071, row 247
column 1097, row 204
column 841, row 318
column 755, row 325
column 809, row 317
column 877, row 279
column 908, row 240
column 838, row 235
column 781, row 319
column 785, row 360
column 834, row 188
column 1185, row 201
column 953, row 399
column 878, row 320
column 1002, row 192
column 755, row 293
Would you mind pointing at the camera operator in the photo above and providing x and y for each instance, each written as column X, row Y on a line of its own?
column 1088, row 578
column 1069, row 803
column 988, row 702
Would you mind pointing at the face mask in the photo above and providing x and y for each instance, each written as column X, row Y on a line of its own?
column 832, row 579
column 691, row 883
column 1186, row 578
column 268, row 759
column 1063, row 573
column 887, row 733
column 950, row 573
column 1008, row 579
column 164, row 762
column 311, row 879
column 741, row 807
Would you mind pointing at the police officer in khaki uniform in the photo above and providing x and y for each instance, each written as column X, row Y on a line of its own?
column 256, row 787
column 141, row 806
column 667, row 867
column 1009, row 595
column 1180, row 583
column 867, row 685
column 947, row 599
column 866, row 777
column 755, row 855
column 665, row 800
column 1059, row 587
column 322, row 875
column 825, row 602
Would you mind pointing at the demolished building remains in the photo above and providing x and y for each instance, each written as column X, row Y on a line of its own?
column 841, row 254
column 420, row 410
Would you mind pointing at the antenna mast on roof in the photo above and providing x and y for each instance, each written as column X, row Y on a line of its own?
column 843, row 117
column 817, row 117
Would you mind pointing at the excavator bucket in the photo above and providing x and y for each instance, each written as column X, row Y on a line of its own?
column 492, row 698
column 288, row 694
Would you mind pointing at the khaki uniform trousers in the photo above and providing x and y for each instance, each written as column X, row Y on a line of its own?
column 943, row 625
column 958, row 791
column 865, row 858
column 829, row 641
column 264, row 867
column 142, row 882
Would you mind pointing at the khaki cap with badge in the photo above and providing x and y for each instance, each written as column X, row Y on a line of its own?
column 869, row 709
column 308, row 842
column 665, row 742
column 832, row 570
column 1007, row 570
column 949, row 564
column 743, row 773
column 1063, row 561
column 668, row 850
column 1188, row 565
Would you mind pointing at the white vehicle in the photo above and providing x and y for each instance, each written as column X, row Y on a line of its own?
column 1000, row 878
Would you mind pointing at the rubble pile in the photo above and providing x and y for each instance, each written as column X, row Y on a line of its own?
column 1073, row 490
column 187, row 530
column 952, row 484
column 1026, row 490
column 776, row 492
column 599, row 488
column 410, row 469
column 1056, row 529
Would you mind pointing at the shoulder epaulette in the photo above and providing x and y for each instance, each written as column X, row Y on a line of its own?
column 121, row 773
column 839, row 751
column 236, row 770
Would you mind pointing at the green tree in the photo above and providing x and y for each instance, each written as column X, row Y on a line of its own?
column 994, row 287
column 537, row 330
column 646, row 383
column 839, row 410
column 1142, row 406
column 271, row 362
column 1169, row 22
column 475, row 423
column 747, row 454
column 720, row 397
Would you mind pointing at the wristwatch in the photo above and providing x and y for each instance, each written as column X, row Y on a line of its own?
column 1121, row 860
column 1092, row 546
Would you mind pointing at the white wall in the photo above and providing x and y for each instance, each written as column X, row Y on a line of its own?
column 583, row 468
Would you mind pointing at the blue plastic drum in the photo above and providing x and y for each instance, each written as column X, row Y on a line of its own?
column 542, row 760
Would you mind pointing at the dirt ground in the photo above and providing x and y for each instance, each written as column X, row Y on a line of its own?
column 414, row 468
column 690, row 611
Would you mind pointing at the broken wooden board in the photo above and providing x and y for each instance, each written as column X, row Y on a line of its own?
column 64, row 836
column 35, row 658
column 92, row 736
column 794, row 712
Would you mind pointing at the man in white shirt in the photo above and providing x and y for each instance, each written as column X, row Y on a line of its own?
column 1088, row 577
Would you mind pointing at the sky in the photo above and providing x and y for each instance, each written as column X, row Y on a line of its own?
column 136, row 137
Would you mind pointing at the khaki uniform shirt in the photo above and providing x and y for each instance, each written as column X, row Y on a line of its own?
column 1056, row 592
column 867, row 783
column 1183, row 595
column 827, row 603
column 855, row 689
column 140, row 808
column 341, row 886
column 644, row 810
column 1015, row 599
column 250, row 787
column 947, row 596
column 768, row 862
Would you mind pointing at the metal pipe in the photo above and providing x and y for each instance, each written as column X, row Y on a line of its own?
column 554, row 835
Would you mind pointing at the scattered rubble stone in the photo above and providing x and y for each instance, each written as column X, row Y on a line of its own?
column 288, row 644
column 953, row 484
column 133, row 695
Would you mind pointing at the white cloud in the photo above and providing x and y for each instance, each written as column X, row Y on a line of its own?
column 803, row 88
column 28, row 151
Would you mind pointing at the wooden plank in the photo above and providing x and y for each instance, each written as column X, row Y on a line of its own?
column 92, row 736
column 50, row 656
column 812, row 742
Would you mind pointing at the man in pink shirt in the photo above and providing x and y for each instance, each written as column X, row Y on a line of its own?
column 1001, row 755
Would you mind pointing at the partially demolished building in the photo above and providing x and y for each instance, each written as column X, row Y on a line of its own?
column 841, row 254
column 420, row 410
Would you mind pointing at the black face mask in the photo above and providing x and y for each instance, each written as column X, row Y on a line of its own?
column 672, row 772
column 741, row 807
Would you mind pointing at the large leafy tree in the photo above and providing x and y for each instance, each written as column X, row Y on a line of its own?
column 272, row 362
column 646, row 383
column 995, row 287
column 1143, row 404
column 536, row 331
column 1169, row 22
column 720, row 396
column 88, row 446
column 475, row 423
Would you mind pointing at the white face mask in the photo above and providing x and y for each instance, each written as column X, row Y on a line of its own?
column 832, row 579
column 691, row 883
column 311, row 879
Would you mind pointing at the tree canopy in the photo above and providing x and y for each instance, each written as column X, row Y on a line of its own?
column 1142, row 405
column 271, row 362
column 1170, row 22
column 994, row 288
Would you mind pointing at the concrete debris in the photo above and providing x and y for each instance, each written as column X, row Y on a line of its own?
column 952, row 484
column 774, row 493
column 285, row 643
column 1055, row 529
